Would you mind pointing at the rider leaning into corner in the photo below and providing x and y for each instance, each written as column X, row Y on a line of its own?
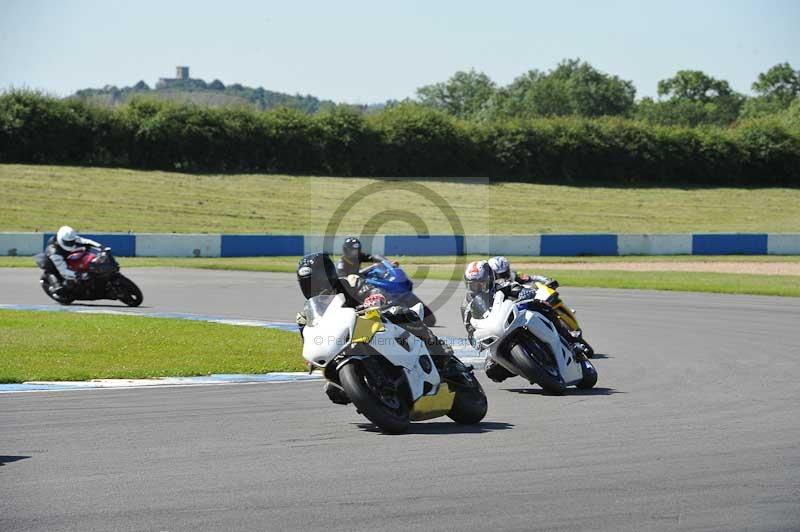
column 317, row 276
column 352, row 257
column 479, row 279
column 482, row 285
column 60, row 246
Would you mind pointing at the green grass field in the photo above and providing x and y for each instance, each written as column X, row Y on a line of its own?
column 39, row 198
column 67, row 346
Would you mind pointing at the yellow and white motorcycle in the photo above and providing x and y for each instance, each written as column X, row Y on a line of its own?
column 388, row 373
column 548, row 294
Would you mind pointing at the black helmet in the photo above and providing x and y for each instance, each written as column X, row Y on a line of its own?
column 479, row 277
column 351, row 247
column 316, row 275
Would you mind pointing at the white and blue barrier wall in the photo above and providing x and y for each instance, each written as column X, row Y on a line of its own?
column 249, row 245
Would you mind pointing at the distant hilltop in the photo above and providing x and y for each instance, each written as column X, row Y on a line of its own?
column 183, row 88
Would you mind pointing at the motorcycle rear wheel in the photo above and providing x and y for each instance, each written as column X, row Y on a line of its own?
column 524, row 355
column 47, row 286
column 354, row 380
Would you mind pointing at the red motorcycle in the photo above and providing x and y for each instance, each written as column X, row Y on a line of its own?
column 96, row 277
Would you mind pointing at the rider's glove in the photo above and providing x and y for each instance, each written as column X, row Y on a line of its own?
column 300, row 319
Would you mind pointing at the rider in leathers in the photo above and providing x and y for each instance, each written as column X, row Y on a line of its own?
column 481, row 284
column 352, row 257
column 59, row 247
column 317, row 275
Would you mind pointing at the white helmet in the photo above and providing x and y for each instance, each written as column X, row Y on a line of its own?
column 67, row 238
column 479, row 277
column 500, row 267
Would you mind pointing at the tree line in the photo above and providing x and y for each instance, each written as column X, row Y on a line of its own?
column 576, row 88
column 405, row 139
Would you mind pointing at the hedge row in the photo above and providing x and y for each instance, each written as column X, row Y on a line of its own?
column 402, row 141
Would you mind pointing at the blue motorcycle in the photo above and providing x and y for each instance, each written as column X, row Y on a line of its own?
column 395, row 285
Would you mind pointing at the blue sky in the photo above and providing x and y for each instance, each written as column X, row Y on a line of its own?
column 363, row 52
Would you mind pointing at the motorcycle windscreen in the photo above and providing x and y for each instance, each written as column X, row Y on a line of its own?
column 389, row 278
column 315, row 308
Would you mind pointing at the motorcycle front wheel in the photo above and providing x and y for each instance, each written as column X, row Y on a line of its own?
column 469, row 406
column 393, row 418
column 537, row 364
column 127, row 291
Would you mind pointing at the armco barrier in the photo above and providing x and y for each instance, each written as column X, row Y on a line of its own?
column 735, row 244
column 424, row 245
column 576, row 245
column 12, row 244
column 628, row 244
column 502, row 244
column 315, row 243
column 201, row 245
column 261, row 245
column 178, row 245
column 783, row 244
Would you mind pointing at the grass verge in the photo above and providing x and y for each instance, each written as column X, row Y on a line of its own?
column 442, row 268
column 66, row 346
column 39, row 198
column 720, row 283
column 289, row 264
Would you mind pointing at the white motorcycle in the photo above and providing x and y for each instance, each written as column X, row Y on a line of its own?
column 520, row 337
column 387, row 372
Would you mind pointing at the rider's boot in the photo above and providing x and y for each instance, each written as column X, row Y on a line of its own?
column 336, row 394
column 495, row 371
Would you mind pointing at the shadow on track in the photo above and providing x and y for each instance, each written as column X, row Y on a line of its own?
column 597, row 356
column 569, row 392
column 442, row 427
column 8, row 459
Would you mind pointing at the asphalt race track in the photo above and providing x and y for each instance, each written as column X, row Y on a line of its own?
column 694, row 425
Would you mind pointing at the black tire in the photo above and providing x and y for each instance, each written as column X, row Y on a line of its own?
column 127, row 291
column 525, row 357
column 392, row 420
column 47, row 287
column 429, row 319
column 589, row 376
column 470, row 405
